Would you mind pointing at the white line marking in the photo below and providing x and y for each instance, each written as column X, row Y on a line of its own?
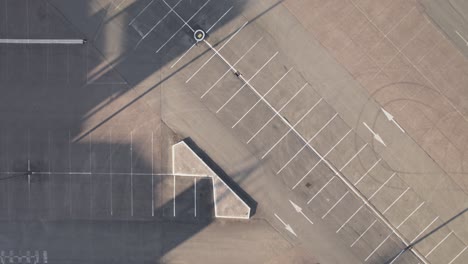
column 285, row 134
column 195, row 195
column 460, row 35
column 43, row 41
column 157, row 23
column 323, row 187
column 422, row 231
column 367, row 172
column 343, row 225
column 337, row 202
column 290, row 99
column 173, row 192
column 299, row 210
column 246, row 82
column 141, row 12
column 263, row 96
column 305, row 145
column 382, row 186
column 288, row 227
column 381, row 243
column 391, row 118
column 185, row 23
column 226, row 72
column 363, row 233
column 110, row 172
column 438, row 244
column 394, row 202
column 219, row 19
column 69, row 177
column 214, row 54
column 376, row 136
column 326, row 154
column 354, row 156
column 131, row 173
column 306, row 174
column 183, row 55
column 118, row 5
column 458, row 255
column 183, row 20
column 336, row 172
column 337, row 143
column 152, row 172
column 414, row 211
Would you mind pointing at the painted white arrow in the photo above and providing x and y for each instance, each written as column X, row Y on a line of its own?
column 286, row 226
column 299, row 210
column 460, row 35
column 376, row 136
column 392, row 119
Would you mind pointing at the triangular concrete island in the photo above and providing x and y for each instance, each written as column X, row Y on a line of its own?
column 227, row 204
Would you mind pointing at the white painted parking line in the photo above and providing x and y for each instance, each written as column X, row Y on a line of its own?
column 337, row 202
column 152, row 172
column 396, row 200
column 183, row 55
column 305, row 145
column 306, row 174
column 194, row 44
column 458, row 255
column 173, row 195
column 424, row 230
column 70, row 198
column 141, row 12
column 300, row 211
column 177, row 14
column 381, row 243
column 370, row 198
column 195, row 196
column 226, row 72
column 110, row 173
column 355, row 155
column 214, row 54
column 343, row 225
column 290, row 99
column 285, row 134
column 246, row 82
column 323, row 187
column 337, row 143
column 382, row 186
column 131, row 173
column 263, row 96
column 328, row 164
column 219, row 19
column 185, row 23
column 324, row 156
column 269, row 120
column 363, row 233
column 414, row 211
column 367, row 172
column 157, row 23
column 438, row 244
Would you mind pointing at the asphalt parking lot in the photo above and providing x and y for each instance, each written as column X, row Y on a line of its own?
column 269, row 106
column 273, row 110
column 92, row 181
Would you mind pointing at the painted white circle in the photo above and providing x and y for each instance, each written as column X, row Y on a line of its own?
column 199, row 35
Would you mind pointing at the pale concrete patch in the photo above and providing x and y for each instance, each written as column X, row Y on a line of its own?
column 227, row 203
